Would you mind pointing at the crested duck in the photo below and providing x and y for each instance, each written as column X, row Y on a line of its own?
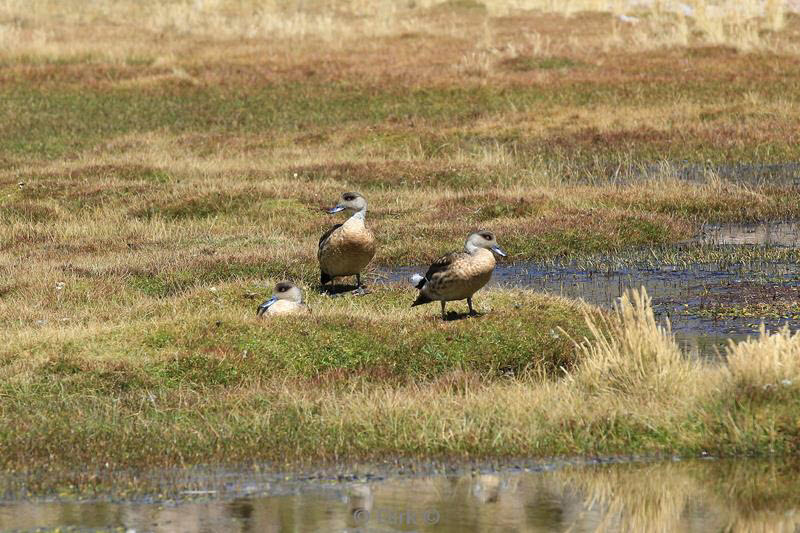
column 345, row 249
column 459, row 275
column 286, row 298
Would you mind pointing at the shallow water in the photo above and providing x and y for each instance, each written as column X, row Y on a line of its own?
column 754, row 174
column 685, row 296
column 702, row 301
column 697, row 495
column 764, row 234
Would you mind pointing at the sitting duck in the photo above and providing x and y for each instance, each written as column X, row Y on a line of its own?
column 287, row 298
column 459, row 275
column 346, row 249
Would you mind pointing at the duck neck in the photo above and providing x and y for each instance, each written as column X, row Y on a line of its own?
column 360, row 215
column 470, row 248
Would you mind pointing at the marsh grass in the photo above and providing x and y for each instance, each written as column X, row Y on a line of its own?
column 372, row 379
column 163, row 163
column 633, row 356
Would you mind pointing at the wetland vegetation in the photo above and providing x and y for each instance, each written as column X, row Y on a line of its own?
column 163, row 164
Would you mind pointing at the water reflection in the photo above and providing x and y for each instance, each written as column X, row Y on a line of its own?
column 741, row 495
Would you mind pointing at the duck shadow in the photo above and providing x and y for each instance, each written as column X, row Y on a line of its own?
column 340, row 290
column 451, row 316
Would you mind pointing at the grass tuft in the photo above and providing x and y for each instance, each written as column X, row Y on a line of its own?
column 632, row 356
column 767, row 364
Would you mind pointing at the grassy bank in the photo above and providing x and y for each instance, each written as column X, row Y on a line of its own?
column 383, row 381
column 162, row 165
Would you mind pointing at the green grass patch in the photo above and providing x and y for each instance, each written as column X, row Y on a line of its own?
column 50, row 122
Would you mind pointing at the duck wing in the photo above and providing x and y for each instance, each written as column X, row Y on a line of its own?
column 328, row 234
column 441, row 264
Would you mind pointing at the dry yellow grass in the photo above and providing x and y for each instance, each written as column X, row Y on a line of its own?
column 632, row 369
column 56, row 29
column 634, row 361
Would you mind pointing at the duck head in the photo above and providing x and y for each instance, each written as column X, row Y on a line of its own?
column 285, row 290
column 351, row 201
column 483, row 239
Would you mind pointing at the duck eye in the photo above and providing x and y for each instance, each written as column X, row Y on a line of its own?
column 487, row 236
column 349, row 198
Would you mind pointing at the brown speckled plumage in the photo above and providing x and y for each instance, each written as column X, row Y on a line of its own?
column 458, row 275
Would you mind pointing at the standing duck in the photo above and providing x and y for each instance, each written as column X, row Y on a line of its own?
column 287, row 298
column 345, row 249
column 459, row 275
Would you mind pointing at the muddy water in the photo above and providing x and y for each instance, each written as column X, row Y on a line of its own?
column 698, row 495
column 706, row 304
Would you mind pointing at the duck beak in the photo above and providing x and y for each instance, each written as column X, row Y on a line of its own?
column 499, row 251
column 336, row 209
column 263, row 307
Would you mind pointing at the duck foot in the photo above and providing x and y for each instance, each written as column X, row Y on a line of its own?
column 337, row 290
column 452, row 315
column 455, row 315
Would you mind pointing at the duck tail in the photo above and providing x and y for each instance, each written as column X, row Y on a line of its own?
column 417, row 281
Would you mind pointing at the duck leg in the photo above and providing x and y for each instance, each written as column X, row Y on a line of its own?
column 323, row 282
column 360, row 289
column 471, row 310
column 444, row 315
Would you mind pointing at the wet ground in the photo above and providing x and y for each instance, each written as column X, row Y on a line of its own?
column 754, row 174
column 610, row 495
column 706, row 303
